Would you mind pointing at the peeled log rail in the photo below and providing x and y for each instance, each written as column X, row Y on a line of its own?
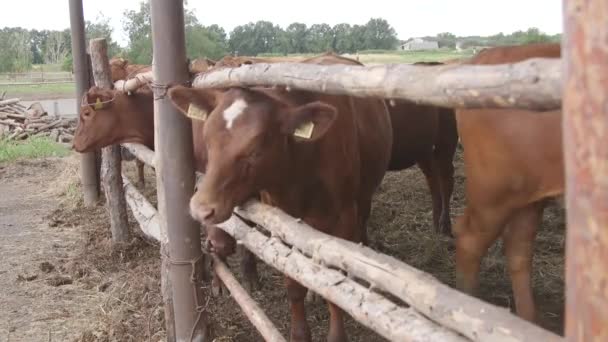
column 9, row 102
column 144, row 212
column 478, row 320
column 142, row 153
column 532, row 84
column 391, row 321
column 134, row 83
column 255, row 314
column 111, row 173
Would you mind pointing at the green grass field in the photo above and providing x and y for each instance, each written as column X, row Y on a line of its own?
column 30, row 148
column 396, row 56
column 372, row 57
column 39, row 92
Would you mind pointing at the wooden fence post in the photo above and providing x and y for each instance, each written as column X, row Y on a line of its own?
column 175, row 172
column 585, row 125
column 111, row 173
column 88, row 163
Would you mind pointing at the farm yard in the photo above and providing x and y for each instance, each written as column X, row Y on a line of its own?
column 304, row 182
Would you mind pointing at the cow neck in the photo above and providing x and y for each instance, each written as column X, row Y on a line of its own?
column 297, row 185
column 138, row 124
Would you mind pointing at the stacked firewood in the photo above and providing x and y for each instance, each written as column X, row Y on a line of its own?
column 18, row 122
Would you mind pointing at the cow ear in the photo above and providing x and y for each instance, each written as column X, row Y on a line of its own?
column 309, row 122
column 194, row 103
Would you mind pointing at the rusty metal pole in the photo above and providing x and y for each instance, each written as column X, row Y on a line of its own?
column 585, row 126
column 89, row 176
column 111, row 163
column 175, row 171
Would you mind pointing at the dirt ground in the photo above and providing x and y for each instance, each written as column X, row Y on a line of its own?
column 114, row 295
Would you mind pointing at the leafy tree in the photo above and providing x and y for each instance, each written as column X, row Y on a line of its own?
column 343, row 38
column 200, row 41
column 101, row 28
column 358, row 38
column 447, row 40
column 296, row 37
column 15, row 49
column 320, row 38
column 255, row 38
column 379, row 34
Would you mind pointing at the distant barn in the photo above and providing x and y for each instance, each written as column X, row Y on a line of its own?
column 418, row 44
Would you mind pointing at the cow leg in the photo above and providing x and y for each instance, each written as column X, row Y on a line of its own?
column 475, row 232
column 141, row 183
column 337, row 333
column 299, row 327
column 429, row 169
column 445, row 167
column 249, row 269
column 519, row 248
column 443, row 155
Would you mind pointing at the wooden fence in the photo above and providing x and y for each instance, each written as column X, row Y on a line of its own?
column 36, row 78
column 341, row 272
column 433, row 311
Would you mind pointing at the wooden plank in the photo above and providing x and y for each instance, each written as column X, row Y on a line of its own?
column 478, row 320
column 135, row 82
column 142, row 153
column 144, row 212
column 111, row 159
column 8, row 102
column 251, row 309
column 532, row 84
column 585, row 127
column 393, row 322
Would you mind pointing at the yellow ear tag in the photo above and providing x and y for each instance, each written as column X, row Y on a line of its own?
column 304, row 130
column 196, row 113
column 98, row 104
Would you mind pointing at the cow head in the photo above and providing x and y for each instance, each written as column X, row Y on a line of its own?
column 102, row 119
column 118, row 68
column 247, row 136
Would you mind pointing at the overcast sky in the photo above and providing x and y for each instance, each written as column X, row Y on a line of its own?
column 410, row 18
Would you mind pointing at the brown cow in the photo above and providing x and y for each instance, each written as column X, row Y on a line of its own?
column 123, row 118
column 121, row 69
column 513, row 162
column 422, row 135
column 199, row 65
column 325, row 175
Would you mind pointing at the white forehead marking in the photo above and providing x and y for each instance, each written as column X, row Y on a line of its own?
column 233, row 111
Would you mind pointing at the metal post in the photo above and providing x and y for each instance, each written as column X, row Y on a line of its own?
column 88, row 164
column 585, row 127
column 175, row 171
column 111, row 168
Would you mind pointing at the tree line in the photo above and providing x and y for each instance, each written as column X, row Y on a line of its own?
column 20, row 48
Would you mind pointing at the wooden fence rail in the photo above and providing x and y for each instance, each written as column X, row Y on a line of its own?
column 532, row 84
column 469, row 316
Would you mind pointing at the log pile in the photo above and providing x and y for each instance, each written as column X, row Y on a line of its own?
column 18, row 122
